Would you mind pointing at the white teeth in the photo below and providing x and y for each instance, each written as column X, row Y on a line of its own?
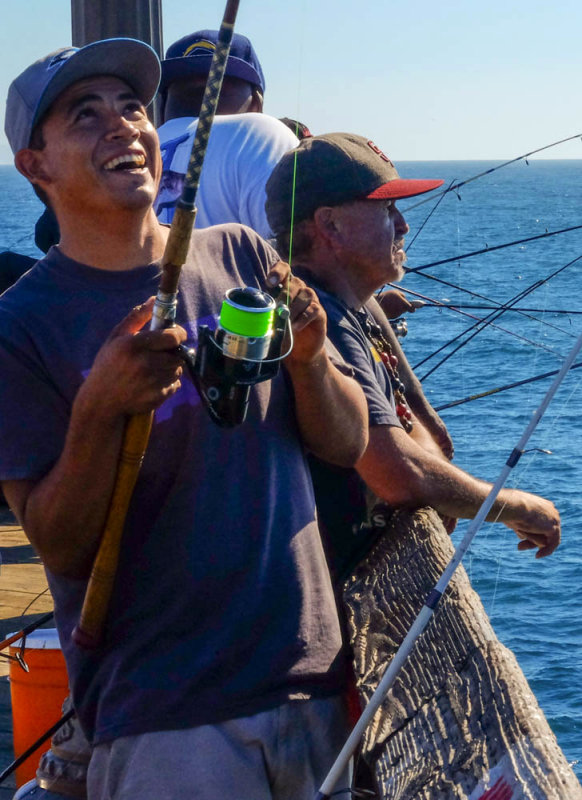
column 135, row 158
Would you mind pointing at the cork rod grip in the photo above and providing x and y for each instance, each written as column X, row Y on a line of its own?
column 89, row 631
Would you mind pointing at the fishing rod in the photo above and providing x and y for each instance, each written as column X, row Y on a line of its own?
column 489, row 392
column 459, row 306
column 34, row 747
column 434, row 596
column 491, row 249
column 476, row 328
column 457, row 186
column 478, row 320
column 433, row 302
column 491, row 317
column 26, row 630
column 89, row 631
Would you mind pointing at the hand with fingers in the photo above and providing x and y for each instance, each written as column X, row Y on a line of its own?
column 536, row 522
column 135, row 370
column 394, row 303
column 308, row 319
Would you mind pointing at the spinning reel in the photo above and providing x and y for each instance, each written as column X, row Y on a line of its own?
column 245, row 349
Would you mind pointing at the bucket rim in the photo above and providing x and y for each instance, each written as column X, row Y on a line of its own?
column 40, row 639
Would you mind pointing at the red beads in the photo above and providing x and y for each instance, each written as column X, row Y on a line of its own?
column 403, row 411
column 389, row 359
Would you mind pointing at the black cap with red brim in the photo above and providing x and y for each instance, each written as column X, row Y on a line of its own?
column 330, row 170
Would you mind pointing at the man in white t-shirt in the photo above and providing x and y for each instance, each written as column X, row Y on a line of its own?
column 244, row 145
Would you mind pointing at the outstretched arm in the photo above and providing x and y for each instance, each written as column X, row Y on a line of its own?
column 404, row 474
column 330, row 407
column 63, row 514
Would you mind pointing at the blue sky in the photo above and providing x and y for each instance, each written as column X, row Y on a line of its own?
column 426, row 80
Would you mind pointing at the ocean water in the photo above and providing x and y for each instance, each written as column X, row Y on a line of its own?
column 533, row 604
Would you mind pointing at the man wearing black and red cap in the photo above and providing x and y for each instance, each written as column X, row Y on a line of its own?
column 337, row 194
column 244, row 146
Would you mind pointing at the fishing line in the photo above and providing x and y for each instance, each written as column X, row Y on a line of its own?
column 489, row 171
column 426, row 219
column 498, row 307
column 482, row 296
column 458, row 308
column 490, row 249
column 33, row 601
column 477, row 328
column 494, row 315
column 293, row 189
column 451, row 307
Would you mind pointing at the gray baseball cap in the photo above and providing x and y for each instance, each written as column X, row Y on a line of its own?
column 330, row 170
column 34, row 91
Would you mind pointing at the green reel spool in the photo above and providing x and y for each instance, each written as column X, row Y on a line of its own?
column 247, row 312
column 246, row 321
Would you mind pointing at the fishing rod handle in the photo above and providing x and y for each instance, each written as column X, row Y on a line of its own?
column 176, row 249
column 88, row 632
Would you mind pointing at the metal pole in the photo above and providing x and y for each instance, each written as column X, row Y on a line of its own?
column 93, row 20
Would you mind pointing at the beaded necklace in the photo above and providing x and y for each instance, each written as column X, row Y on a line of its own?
column 384, row 349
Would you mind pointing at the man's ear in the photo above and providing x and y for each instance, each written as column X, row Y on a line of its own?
column 327, row 224
column 29, row 163
column 257, row 101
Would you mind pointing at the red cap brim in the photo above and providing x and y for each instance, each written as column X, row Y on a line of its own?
column 400, row 187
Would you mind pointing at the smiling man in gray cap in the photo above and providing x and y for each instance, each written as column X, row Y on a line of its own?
column 222, row 649
column 335, row 198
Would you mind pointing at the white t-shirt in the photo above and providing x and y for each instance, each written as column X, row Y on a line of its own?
column 242, row 151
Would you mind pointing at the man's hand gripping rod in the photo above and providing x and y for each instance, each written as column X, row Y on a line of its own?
column 89, row 631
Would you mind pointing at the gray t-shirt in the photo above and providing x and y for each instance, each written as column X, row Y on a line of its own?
column 222, row 605
column 351, row 515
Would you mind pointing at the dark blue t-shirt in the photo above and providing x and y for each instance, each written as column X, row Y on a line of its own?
column 351, row 516
column 222, row 605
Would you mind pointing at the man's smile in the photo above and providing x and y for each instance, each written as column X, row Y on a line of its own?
column 127, row 161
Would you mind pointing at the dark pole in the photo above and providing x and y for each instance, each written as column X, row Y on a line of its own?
column 92, row 20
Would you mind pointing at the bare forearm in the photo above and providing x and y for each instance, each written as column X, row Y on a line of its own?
column 405, row 474
column 421, row 435
column 331, row 411
column 64, row 513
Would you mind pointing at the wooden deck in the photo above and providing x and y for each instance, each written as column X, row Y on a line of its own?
column 24, row 597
